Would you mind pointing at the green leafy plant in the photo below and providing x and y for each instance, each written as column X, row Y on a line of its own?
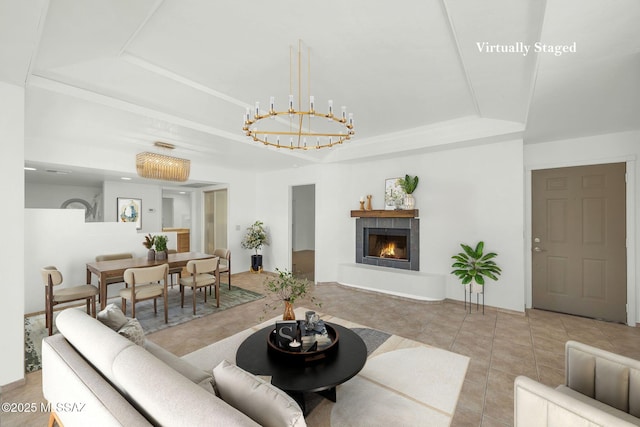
column 161, row 242
column 473, row 265
column 286, row 287
column 408, row 183
column 256, row 237
column 149, row 240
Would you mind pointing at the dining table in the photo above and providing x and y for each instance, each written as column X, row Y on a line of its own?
column 115, row 268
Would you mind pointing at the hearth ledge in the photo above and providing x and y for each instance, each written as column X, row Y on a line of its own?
column 405, row 283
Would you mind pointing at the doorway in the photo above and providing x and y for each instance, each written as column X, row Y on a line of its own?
column 303, row 231
column 578, row 253
column 215, row 220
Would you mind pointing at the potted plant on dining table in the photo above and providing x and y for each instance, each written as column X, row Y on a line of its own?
column 161, row 247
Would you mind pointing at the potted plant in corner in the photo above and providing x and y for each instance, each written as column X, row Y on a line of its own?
column 255, row 238
column 472, row 266
column 408, row 184
column 148, row 243
column 287, row 288
column 161, row 247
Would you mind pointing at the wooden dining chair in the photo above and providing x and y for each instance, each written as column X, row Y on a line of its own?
column 203, row 273
column 51, row 277
column 173, row 271
column 225, row 263
column 146, row 283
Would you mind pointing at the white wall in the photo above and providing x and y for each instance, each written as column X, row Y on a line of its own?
column 11, row 171
column 610, row 148
column 464, row 195
column 151, row 205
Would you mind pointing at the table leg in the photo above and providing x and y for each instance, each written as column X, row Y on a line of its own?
column 103, row 291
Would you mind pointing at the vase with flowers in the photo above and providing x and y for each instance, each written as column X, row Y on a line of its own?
column 148, row 243
column 285, row 287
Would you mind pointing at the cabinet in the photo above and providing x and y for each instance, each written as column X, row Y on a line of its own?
column 183, row 237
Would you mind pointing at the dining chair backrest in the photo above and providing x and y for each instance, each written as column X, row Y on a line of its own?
column 51, row 271
column 112, row 257
column 222, row 253
column 139, row 275
column 200, row 266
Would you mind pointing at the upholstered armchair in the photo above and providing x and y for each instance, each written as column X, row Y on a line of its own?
column 51, row 277
column 225, row 263
column 202, row 273
column 146, row 283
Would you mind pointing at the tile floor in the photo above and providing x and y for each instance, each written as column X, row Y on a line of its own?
column 501, row 344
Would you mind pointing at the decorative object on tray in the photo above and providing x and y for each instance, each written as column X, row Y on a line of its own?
column 299, row 346
column 255, row 238
column 286, row 288
column 472, row 266
column 161, row 247
column 148, row 243
column 310, row 320
column 408, row 185
column 130, row 210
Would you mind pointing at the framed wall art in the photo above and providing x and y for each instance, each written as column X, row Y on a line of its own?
column 393, row 194
column 130, row 210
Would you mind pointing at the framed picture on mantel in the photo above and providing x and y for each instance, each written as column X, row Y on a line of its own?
column 393, row 194
column 130, row 210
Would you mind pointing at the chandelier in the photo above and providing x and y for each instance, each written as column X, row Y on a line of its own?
column 298, row 127
column 159, row 166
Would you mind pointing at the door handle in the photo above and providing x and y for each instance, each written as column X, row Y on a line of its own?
column 537, row 249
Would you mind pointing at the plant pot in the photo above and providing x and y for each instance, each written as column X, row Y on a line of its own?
column 256, row 263
column 409, row 202
column 161, row 255
column 289, row 314
column 475, row 288
column 151, row 255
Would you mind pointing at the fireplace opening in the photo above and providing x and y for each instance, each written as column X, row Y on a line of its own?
column 387, row 243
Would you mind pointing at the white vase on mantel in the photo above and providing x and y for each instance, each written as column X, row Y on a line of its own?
column 409, row 202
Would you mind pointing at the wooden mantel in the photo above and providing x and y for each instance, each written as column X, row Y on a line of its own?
column 399, row 213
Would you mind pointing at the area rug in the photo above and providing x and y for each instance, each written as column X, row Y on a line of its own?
column 403, row 383
column 35, row 331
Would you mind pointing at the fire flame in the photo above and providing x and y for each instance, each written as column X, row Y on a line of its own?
column 389, row 251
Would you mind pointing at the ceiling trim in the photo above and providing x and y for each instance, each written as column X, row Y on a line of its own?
column 36, row 48
column 452, row 30
column 152, row 12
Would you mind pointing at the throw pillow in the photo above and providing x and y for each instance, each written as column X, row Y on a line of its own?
column 112, row 317
column 264, row 403
column 133, row 330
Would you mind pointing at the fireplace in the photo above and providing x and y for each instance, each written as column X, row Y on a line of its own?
column 388, row 242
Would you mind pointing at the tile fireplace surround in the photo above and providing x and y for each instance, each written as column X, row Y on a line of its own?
column 412, row 225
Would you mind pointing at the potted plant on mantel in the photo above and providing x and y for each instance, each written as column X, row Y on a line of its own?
column 255, row 238
column 472, row 266
column 148, row 243
column 408, row 184
column 287, row 288
column 161, row 247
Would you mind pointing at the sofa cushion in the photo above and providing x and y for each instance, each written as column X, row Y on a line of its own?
column 263, row 402
column 133, row 331
column 112, row 317
column 167, row 398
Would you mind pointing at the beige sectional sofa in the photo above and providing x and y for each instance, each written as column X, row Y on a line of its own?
column 93, row 375
column 601, row 389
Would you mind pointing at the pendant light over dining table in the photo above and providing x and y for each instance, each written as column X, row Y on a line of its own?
column 298, row 127
column 158, row 166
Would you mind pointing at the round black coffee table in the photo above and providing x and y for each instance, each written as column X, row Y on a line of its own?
column 320, row 376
